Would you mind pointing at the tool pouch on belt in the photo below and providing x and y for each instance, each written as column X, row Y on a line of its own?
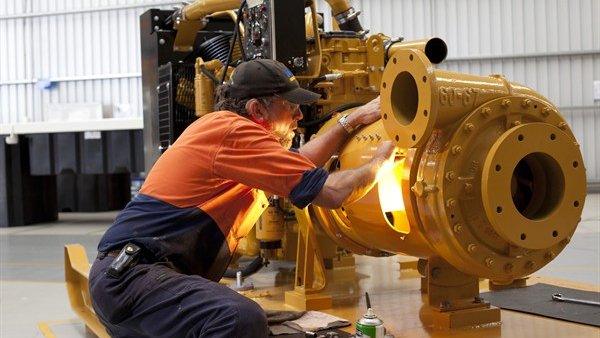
column 127, row 257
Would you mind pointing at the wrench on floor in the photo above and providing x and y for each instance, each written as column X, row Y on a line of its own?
column 559, row 298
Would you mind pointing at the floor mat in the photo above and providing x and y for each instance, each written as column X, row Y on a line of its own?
column 537, row 299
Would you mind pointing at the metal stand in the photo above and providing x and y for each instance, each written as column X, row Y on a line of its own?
column 310, row 278
column 452, row 299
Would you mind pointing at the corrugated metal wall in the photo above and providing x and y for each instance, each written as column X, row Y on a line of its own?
column 89, row 48
column 552, row 46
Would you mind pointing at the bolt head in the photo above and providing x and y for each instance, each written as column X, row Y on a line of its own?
column 457, row 228
column 468, row 188
column 516, row 123
column 485, row 112
column 489, row 262
column 562, row 125
column 549, row 255
column 505, row 103
column 456, row 150
column 472, row 247
column 526, row 103
column 451, row 203
column 450, row 176
column 545, row 112
column 419, row 188
column 469, row 127
column 161, row 41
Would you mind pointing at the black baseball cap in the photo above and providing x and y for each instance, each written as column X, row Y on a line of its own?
column 265, row 77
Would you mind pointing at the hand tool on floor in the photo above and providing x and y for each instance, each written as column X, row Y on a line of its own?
column 559, row 298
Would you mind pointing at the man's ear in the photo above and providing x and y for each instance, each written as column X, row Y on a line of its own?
column 256, row 110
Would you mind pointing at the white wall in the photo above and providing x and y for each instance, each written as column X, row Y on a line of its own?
column 91, row 49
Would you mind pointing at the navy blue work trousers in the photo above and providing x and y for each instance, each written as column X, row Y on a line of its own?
column 153, row 300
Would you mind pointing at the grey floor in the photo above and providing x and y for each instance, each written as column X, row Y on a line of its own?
column 32, row 289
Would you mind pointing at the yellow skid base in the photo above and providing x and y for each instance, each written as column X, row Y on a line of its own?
column 77, row 269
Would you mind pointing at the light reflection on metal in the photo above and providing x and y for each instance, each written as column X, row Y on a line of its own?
column 390, row 195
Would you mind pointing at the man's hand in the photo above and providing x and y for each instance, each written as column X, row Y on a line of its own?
column 348, row 186
column 366, row 114
column 385, row 152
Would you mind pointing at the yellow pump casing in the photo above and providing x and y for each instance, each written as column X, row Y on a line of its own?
column 491, row 177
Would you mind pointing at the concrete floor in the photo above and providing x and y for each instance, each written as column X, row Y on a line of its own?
column 32, row 291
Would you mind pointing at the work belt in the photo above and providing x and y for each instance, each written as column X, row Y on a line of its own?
column 112, row 253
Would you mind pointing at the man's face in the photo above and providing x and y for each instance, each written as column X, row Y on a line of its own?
column 283, row 116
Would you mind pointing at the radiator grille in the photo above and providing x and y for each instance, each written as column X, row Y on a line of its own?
column 175, row 93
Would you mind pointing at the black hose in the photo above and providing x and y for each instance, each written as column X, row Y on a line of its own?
column 236, row 31
column 250, row 269
column 329, row 114
column 209, row 74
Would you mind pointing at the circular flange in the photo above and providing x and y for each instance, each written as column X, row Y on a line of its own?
column 533, row 182
column 455, row 218
column 406, row 92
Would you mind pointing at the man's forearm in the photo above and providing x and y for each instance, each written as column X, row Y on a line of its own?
column 347, row 186
column 320, row 149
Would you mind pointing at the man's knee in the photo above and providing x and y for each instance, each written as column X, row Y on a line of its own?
column 233, row 316
column 251, row 319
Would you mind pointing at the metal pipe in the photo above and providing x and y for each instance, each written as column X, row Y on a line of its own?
column 338, row 6
column 435, row 48
column 317, row 55
column 201, row 8
column 416, row 98
column 345, row 15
